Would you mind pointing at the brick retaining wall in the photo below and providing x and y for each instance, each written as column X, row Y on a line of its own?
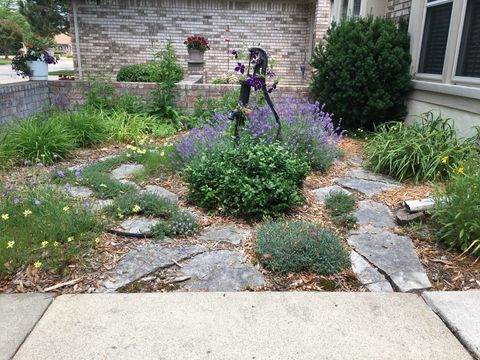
column 22, row 99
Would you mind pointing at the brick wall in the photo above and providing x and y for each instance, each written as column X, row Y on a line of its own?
column 72, row 93
column 22, row 99
column 398, row 9
column 117, row 32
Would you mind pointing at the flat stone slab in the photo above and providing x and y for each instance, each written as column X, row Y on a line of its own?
column 231, row 234
column 125, row 171
column 18, row 315
column 322, row 193
column 366, row 182
column 239, row 326
column 368, row 275
column 369, row 175
column 222, row 270
column 162, row 192
column 145, row 260
column 137, row 226
column 460, row 310
column 81, row 192
column 371, row 213
column 393, row 255
column 98, row 205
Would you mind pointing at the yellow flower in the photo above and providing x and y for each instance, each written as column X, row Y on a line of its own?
column 162, row 153
column 444, row 159
column 97, row 240
column 136, row 209
column 141, row 152
column 70, row 238
column 460, row 170
column 27, row 212
column 129, row 155
column 5, row 217
column 103, row 185
column 44, row 243
column 37, row 264
column 10, row 244
column 66, row 208
column 120, row 215
column 55, row 243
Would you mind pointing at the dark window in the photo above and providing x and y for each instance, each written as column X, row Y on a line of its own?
column 435, row 36
column 344, row 9
column 356, row 7
column 469, row 55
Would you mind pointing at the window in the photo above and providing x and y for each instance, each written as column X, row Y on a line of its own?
column 469, row 54
column 344, row 9
column 435, row 37
column 356, row 7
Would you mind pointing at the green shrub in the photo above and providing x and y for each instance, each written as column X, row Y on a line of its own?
column 100, row 95
column 44, row 227
column 362, row 71
column 457, row 209
column 148, row 72
column 87, row 126
column 180, row 223
column 340, row 207
column 422, row 151
column 299, row 246
column 141, row 203
column 125, row 127
column 37, row 139
column 248, row 179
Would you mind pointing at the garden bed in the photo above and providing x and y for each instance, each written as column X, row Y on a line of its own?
column 446, row 269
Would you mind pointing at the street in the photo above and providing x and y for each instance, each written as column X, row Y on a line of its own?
column 7, row 75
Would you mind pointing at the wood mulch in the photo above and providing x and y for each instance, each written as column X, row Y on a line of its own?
column 447, row 270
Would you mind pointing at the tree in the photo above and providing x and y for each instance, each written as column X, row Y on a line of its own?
column 10, row 37
column 10, row 5
column 46, row 17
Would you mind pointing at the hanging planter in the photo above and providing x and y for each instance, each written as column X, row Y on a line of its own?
column 33, row 63
column 196, row 46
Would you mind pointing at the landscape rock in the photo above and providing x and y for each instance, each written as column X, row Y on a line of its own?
column 404, row 217
column 136, row 226
column 371, row 213
column 125, row 171
column 322, row 193
column 81, row 192
column 144, row 260
column 98, row 205
column 231, row 234
column 221, row 270
column 368, row 275
column 366, row 187
column 162, row 192
column 393, row 255
column 371, row 176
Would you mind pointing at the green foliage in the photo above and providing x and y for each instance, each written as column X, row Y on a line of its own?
column 247, row 179
column 141, row 204
column 43, row 226
column 38, row 140
column 88, row 127
column 157, row 162
column 340, row 206
column 46, row 17
column 204, row 108
column 180, row 223
column 100, row 95
column 422, row 151
column 362, row 71
column 299, row 246
column 164, row 69
column 457, row 208
column 11, row 37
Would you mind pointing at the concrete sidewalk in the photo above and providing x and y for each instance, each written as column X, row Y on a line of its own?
column 240, row 325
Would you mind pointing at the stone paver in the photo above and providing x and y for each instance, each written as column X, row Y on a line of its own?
column 18, row 315
column 136, row 226
column 99, row 204
column 368, row 275
column 322, row 193
column 460, row 310
column 394, row 255
column 81, row 192
column 371, row 213
column 125, row 171
column 234, row 326
column 231, row 234
column 144, row 260
column 222, row 270
column 162, row 192
column 366, row 182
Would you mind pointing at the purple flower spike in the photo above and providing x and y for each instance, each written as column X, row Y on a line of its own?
column 60, row 174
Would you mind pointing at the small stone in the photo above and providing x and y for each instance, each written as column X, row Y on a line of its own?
column 404, row 217
column 322, row 193
column 81, row 192
column 126, row 170
column 221, row 270
column 162, row 192
column 137, row 226
column 371, row 213
column 230, row 234
column 98, row 205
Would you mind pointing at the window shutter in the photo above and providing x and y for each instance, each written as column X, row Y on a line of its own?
column 469, row 55
column 435, row 36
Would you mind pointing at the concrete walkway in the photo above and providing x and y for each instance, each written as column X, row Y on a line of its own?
column 226, row 326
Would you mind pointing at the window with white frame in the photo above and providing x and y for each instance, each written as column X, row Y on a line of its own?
column 449, row 49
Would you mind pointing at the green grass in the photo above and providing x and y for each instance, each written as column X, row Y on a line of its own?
column 61, row 72
column 5, row 61
column 44, row 227
column 340, row 207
